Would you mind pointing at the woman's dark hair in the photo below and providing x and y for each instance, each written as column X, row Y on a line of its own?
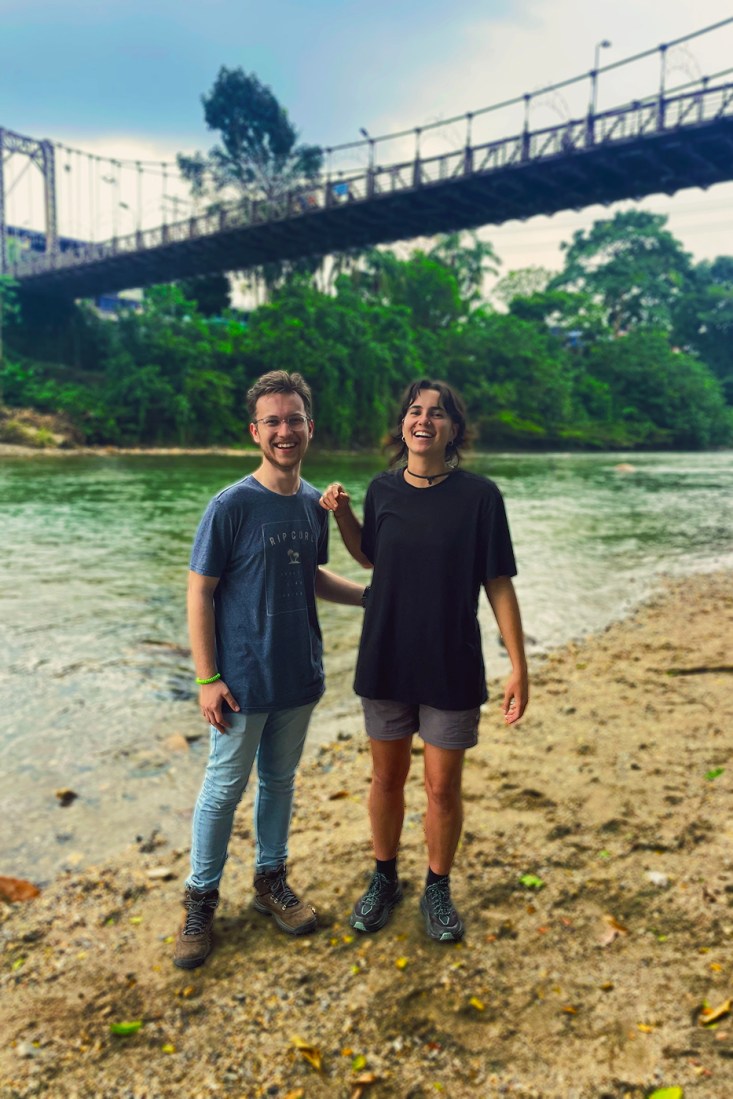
column 452, row 403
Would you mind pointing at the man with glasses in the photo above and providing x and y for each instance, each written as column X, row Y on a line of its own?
column 256, row 569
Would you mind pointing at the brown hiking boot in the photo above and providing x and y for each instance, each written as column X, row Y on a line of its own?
column 274, row 897
column 194, row 939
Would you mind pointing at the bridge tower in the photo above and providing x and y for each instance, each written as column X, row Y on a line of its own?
column 41, row 153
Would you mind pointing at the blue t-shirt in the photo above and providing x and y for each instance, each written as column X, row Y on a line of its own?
column 265, row 548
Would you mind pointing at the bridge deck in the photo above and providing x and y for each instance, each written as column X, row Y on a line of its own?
column 640, row 149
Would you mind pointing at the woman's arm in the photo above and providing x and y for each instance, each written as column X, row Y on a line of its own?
column 337, row 500
column 503, row 600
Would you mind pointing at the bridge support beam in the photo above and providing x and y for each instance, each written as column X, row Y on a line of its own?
column 3, row 234
column 42, row 155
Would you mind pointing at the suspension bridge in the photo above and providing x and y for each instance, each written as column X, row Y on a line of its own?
column 134, row 223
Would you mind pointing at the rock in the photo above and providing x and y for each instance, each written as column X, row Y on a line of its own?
column 160, row 873
column 66, row 796
column 176, row 743
column 656, row 877
column 16, row 889
column 27, row 1050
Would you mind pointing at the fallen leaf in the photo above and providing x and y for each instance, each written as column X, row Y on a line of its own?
column 531, row 881
column 299, row 1093
column 612, row 931
column 667, row 1093
column 308, row 1052
column 479, row 1005
column 716, row 772
column 710, row 1015
column 645, row 1028
column 358, row 1063
column 569, row 1009
column 168, row 1048
column 338, row 794
column 125, row 1028
column 361, row 1082
column 17, row 889
column 401, row 963
column 66, row 796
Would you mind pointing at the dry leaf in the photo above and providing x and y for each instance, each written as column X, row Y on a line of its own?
column 338, row 794
column 17, row 889
column 710, row 1015
column 612, row 931
column 309, row 1052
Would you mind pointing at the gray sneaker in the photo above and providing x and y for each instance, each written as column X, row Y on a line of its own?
column 374, row 908
column 274, row 897
column 195, row 940
column 442, row 922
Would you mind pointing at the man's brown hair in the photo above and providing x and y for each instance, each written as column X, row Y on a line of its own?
column 279, row 381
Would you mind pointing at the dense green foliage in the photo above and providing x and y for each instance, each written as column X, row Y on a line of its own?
column 629, row 346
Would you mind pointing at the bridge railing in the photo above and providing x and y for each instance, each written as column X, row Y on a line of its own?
column 633, row 120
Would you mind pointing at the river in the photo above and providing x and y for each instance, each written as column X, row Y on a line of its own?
column 96, row 687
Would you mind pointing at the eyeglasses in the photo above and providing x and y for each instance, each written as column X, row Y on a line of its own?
column 295, row 421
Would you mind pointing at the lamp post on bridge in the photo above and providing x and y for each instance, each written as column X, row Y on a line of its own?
column 604, row 44
column 370, row 172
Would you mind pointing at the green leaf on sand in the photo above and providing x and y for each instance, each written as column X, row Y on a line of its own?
column 126, row 1028
column 715, row 773
column 667, row 1093
column 531, row 881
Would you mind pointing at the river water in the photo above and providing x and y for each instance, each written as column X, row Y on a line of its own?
column 95, row 678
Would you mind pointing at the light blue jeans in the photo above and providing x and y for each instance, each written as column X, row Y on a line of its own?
column 276, row 740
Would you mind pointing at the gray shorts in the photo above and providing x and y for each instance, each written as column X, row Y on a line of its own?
column 387, row 720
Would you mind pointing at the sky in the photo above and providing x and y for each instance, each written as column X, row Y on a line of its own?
column 124, row 78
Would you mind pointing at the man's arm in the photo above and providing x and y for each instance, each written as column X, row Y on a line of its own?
column 503, row 600
column 336, row 589
column 337, row 500
column 203, row 649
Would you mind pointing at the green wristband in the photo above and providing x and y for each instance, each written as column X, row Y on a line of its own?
column 211, row 679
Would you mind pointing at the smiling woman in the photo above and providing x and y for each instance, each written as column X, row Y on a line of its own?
column 434, row 535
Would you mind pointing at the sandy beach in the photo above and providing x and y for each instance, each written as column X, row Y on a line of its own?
column 595, row 877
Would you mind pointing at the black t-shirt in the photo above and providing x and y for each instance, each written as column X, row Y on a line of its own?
column 432, row 549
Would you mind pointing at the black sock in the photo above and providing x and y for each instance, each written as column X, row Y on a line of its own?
column 433, row 877
column 388, row 867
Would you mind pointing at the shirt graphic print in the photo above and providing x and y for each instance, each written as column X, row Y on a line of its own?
column 286, row 547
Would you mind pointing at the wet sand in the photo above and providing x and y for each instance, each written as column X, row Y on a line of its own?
column 595, row 877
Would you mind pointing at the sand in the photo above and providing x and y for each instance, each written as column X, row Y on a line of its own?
column 595, row 877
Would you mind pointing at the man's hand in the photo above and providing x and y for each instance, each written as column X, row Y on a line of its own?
column 211, row 699
column 516, row 697
column 335, row 498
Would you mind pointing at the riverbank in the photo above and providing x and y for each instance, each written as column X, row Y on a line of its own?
column 594, row 876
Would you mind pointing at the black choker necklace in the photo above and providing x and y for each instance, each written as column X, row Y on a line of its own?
column 429, row 477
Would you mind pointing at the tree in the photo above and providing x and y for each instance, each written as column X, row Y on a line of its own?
column 211, row 293
column 468, row 263
column 259, row 154
column 704, row 319
column 9, row 308
column 632, row 265
column 523, row 283
column 660, row 396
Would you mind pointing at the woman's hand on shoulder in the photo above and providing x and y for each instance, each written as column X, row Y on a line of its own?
column 335, row 498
